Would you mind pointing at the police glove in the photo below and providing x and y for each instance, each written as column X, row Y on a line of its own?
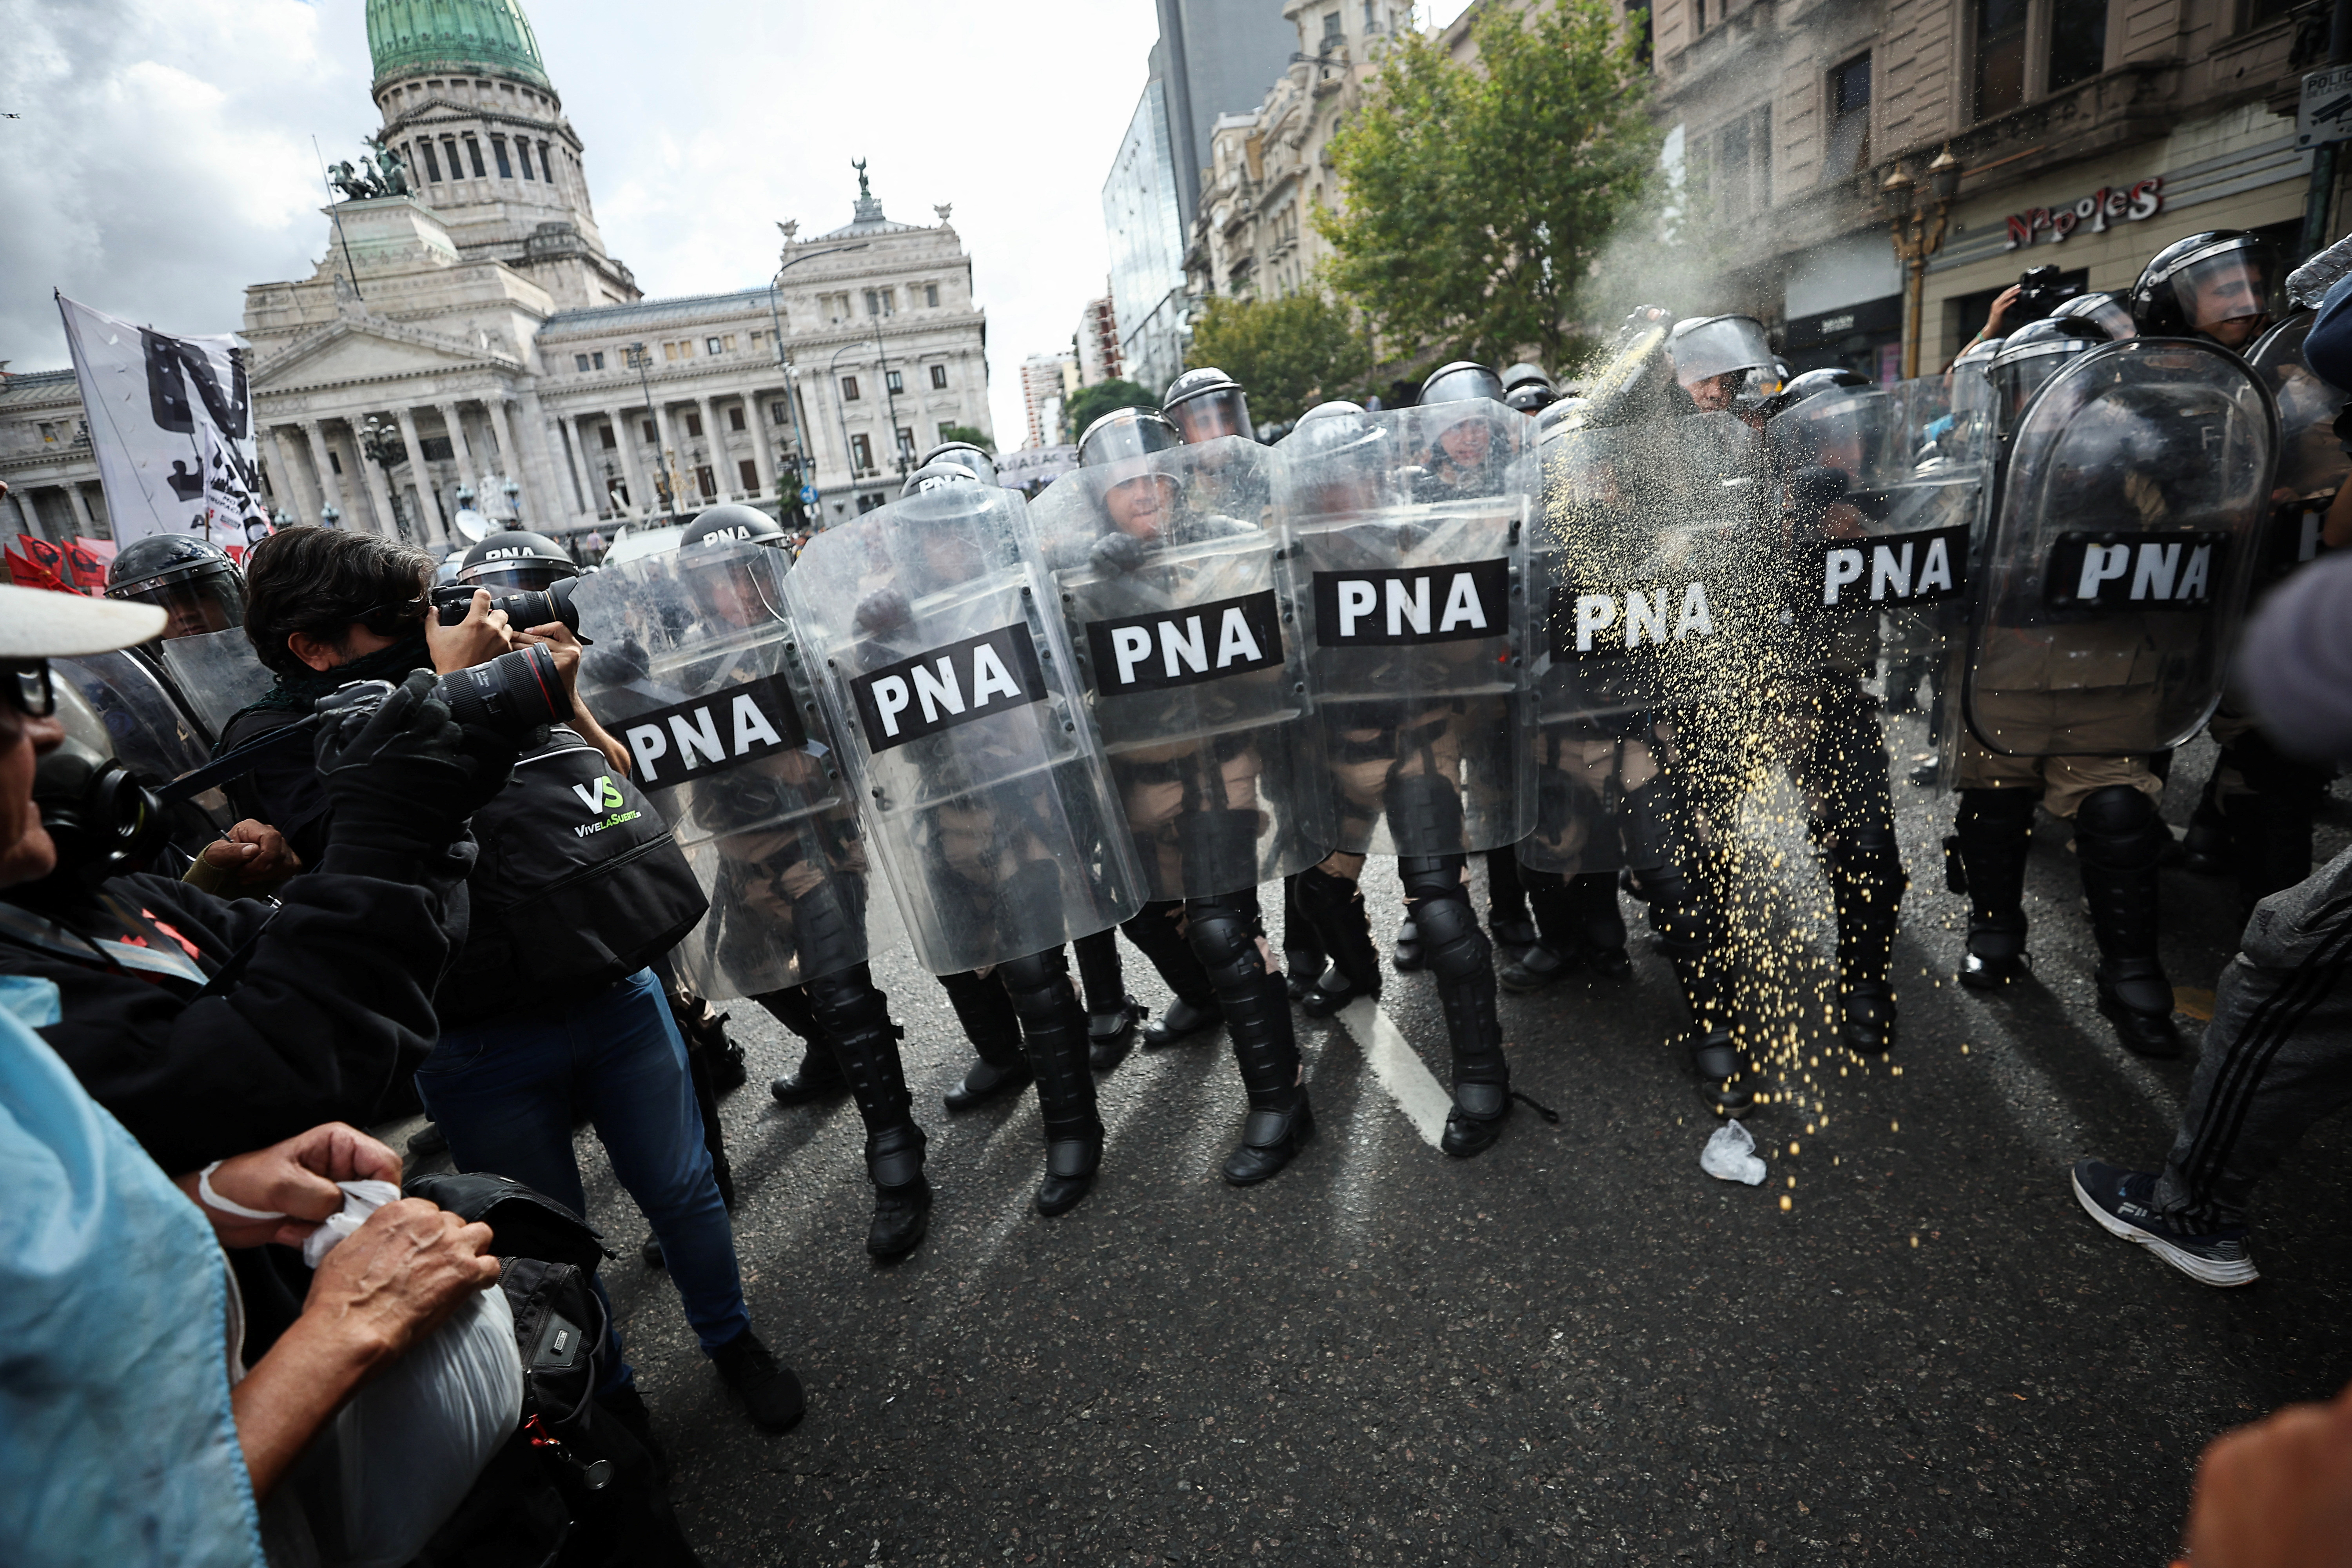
column 406, row 776
column 884, row 610
column 1119, row 552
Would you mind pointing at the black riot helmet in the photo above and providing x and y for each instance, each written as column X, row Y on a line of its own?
column 1126, row 432
column 2030, row 355
column 1460, row 381
column 1521, row 375
column 976, row 458
column 2106, row 310
column 1205, row 404
column 516, row 562
column 190, row 580
column 1713, row 356
column 1828, row 419
column 732, row 520
column 2211, row 285
column 1812, row 384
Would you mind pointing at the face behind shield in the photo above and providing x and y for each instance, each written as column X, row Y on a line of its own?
column 2225, row 298
column 1714, row 355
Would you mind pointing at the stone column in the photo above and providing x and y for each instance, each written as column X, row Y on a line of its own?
column 666, row 458
column 570, row 436
column 722, row 472
column 624, row 441
column 510, row 457
column 763, row 458
column 379, row 492
column 429, row 528
column 458, row 449
column 26, row 522
column 323, row 468
column 84, row 522
column 297, row 502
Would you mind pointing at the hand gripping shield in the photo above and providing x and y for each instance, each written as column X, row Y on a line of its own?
column 930, row 628
column 1409, row 530
column 2312, row 462
column 1637, row 573
column 690, row 670
column 2121, row 552
column 1176, row 587
column 218, row 673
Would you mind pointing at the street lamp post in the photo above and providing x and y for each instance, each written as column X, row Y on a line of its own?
column 637, row 357
column 382, row 445
column 783, row 362
column 330, row 515
column 1918, row 234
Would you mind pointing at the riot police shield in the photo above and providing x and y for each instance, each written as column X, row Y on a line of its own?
column 1409, row 529
column 2312, row 461
column 1639, row 575
column 2121, row 552
column 1184, row 615
column 928, row 625
column 688, row 668
column 218, row 673
column 150, row 734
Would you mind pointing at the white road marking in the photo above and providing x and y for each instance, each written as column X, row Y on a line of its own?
column 1400, row 1071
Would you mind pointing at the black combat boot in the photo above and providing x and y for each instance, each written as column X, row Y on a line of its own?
column 1112, row 1014
column 1688, row 934
column 858, row 1019
column 1257, row 1019
column 1508, row 921
column 1302, row 945
column 1993, row 835
column 994, row 1030
column 1054, row 1033
column 1597, row 925
column 819, row 1075
column 1155, row 933
column 1336, row 906
column 1462, row 961
column 2119, row 842
column 1866, row 882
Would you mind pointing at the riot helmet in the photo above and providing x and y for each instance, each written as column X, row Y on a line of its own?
column 936, row 471
column 1518, row 374
column 732, row 520
column 1336, row 460
column 976, row 458
column 1126, row 432
column 1812, row 384
column 1530, row 396
column 1714, row 354
column 2212, row 285
column 1831, row 420
column 2105, row 311
column 1138, row 498
column 1460, row 381
column 190, row 580
column 2030, row 355
column 1205, row 404
column 516, row 562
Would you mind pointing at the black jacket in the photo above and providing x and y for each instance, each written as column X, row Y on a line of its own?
column 334, row 1004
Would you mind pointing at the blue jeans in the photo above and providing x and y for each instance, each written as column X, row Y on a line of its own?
column 503, row 1092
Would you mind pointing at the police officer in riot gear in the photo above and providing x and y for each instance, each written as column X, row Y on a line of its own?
column 192, row 581
column 977, row 460
column 1527, row 388
column 2108, row 310
column 2215, row 285
column 517, row 562
column 1204, row 403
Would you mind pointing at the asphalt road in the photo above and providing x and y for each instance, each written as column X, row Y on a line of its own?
column 1908, row 1345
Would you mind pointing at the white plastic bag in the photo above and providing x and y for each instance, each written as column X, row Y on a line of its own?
column 1730, row 1156
column 361, row 1199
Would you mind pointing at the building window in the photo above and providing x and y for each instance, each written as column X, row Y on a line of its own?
column 907, row 445
column 945, row 425
column 48, row 433
column 778, row 415
column 457, row 164
column 861, row 454
column 334, row 459
column 734, row 416
column 707, row 482
column 873, row 302
column 931, row 295
column 849, row 389
column 711, row 345
column 597, row 359
column 522, row 156
column 694, row 424
column 1698, row 15
column 436, row 449
column 894, row 381
column 1372, row 16
column 2078, row 41
column 939, row 378
column 432, row 163
column 607, row 443
column 748, row 472
column 1849, row 94
column 889, row 301
column 2001, row 55
column 755, row 343
column 474, row 155
column 546, row 162
column 1332, row 30
column 498, row 153
column 649, row 431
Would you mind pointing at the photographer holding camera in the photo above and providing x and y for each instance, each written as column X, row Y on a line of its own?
column 577, row 888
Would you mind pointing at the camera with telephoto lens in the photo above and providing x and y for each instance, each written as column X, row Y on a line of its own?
column 2039, row 293
column 532, row 607
column 513, row 694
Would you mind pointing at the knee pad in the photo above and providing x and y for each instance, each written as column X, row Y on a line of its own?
column 1225, row 943
column 847, row 1001
column 1456, row 949
column 1431, row 877
column 2119, row 828
column 1423, row 808
column 1031, row 980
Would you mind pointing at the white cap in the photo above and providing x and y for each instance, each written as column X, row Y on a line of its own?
column 43, row 622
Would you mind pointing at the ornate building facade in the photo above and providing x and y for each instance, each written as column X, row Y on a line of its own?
column 466, row 304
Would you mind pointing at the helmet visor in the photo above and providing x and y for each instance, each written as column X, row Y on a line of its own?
column 518, row 576
column 1705, row 350
column 2233, row 286
column 1223, row 412
column 213, row 602
column 1853, row 432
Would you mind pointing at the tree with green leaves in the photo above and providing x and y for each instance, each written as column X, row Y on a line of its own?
column 1480, row 197
column 1089, row 404
column 1288, row 354
column 968, row 435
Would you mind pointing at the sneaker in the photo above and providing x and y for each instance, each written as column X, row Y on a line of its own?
column 770, row 1393
column 427, row 1141
column 2121, row 1200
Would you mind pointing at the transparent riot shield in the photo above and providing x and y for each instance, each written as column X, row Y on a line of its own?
column 218, row 673
column 1639, row 588
column 1182, row 613
column 929, row 627
column 2121, row 552
column 1410, row 532
column 2311, row 463
column 151, row 734
column 690, row 668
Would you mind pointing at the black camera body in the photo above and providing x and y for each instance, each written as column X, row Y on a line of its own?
column 2039, row 293
column 514, row 694
column 532, row 607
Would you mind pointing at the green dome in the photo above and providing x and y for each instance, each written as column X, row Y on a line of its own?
column 425, row 37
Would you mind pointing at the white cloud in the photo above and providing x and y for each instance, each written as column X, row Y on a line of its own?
column 164, row 159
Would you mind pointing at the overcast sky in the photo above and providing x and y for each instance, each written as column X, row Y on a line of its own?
column 162, row 160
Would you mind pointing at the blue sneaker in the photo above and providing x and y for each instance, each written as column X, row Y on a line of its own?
column 2122, row 1202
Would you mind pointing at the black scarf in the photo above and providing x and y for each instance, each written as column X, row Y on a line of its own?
column 298, row 690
